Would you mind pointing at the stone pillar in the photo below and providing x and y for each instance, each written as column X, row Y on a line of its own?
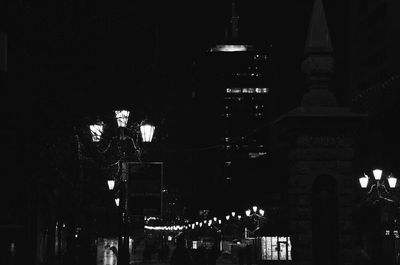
column 319, row 139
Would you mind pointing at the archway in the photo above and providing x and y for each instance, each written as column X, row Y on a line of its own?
column 325, row 236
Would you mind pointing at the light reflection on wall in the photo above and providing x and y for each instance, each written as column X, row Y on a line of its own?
column 107, row 251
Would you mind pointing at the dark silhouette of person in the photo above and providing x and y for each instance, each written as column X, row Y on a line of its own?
column 201, row 255
column 213, row 255
column 241, row 255
column 360, row 255
column 180, row 255
column 248, row 255
column 165, row 251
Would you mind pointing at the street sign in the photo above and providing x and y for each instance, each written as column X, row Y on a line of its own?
column 145, row 188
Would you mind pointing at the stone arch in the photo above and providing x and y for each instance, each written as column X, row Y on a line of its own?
column 325, row 221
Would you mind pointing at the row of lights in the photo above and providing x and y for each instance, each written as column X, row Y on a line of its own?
column 255, row 211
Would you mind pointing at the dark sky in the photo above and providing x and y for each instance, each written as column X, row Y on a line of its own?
column 72, row 59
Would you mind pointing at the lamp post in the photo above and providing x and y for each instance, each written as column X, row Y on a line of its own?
column 127, row 136
column 380, row 189
column 256, row 214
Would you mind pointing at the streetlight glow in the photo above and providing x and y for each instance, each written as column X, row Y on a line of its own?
column 111, row 184
column 255, row 209
column 392, row 181
column 364, row 181
column 96, row 131
column 122, row 117
column 261, row 212
column 117, row 201
column 248, row 213
column 377, row 174
column 147, row 131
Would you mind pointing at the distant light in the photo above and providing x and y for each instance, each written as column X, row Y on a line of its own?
column 261, row 212
column 248, row 212
column 377, row 174
column 227, row 217
column 233, row 214
column 215, row 219
column 239, row 217
column 122, row 117
column 255, row 209
column 117, row 201
column 229, row 48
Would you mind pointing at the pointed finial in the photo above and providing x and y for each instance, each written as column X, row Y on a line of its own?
column 234, row 21
column 318, row 38
column 318, row 66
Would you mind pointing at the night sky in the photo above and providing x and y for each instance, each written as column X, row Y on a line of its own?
column 69, row 60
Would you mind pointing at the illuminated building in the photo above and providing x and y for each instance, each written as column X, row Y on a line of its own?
column 232, row 96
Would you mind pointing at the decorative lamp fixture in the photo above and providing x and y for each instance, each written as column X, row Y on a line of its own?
column 147, row 131
column 227, row 217
column 117, row 201
column 261, row 212
column 96, row 131
column 255, row 209
column 392, row 181
column 233, row 214
column 377, row 174
column 364, row 181
column 111, row 184
column 248, row 213
column 239, row 217
column 122, row 117
column 215, row 219
column 219, row 221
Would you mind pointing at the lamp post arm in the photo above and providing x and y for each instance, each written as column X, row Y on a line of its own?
column 108, row 146
column 371, row 189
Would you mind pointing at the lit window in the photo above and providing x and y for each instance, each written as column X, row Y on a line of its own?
column 276, row 248
column 256, row 154
column 230, row 48
column 233, row 90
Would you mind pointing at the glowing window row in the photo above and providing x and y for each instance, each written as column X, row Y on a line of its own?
column 247, row 74
column 247, row 90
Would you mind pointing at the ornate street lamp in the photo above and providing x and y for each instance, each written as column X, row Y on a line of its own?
column 128, row 136
column 379, row 185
